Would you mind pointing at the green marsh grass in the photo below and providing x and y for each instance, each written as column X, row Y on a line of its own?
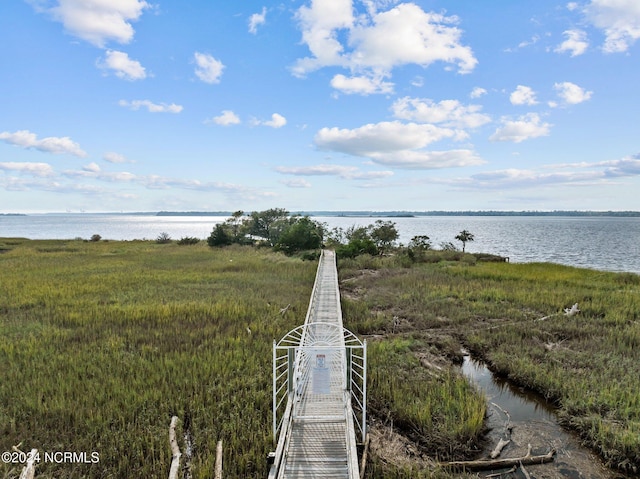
column 512, row 315
column 102, row 342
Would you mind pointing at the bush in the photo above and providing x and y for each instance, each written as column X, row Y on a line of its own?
column 356, row 247
column 188, row 240
column 219, row 237
column 96, row 237
column 163, row 238
column 304, row 234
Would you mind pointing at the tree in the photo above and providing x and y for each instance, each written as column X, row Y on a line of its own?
column 420, row 242
column 302, row 234
column 384, row 234
column 220, row 236
column 268, row 224
column 464, row 236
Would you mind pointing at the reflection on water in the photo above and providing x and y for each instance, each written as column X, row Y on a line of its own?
column 533, row 422
column 522, row 405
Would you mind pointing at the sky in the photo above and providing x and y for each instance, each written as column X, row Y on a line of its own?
column 319, row 105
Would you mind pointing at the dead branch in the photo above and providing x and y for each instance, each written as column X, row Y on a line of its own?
column 499, row 447
column 218, row 472
column 485, row 464
column 29, row 470
column 498, row 474
column 175, row 450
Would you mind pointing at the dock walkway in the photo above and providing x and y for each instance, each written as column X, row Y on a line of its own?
column 320, row 368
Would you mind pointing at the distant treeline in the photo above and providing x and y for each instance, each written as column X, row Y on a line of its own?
column 409, row 214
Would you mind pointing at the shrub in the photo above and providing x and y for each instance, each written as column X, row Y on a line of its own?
column 219, row 237
column 96, row 237
column 163, row 238
column 188, row 240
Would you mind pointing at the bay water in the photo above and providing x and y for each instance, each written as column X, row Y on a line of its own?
column 601, row 243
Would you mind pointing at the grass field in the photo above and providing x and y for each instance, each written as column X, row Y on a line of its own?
column 512, row 315
column 102, row 342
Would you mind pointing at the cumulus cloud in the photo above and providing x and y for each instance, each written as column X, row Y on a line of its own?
column 523, row 95
column 296, row 183
column 397, row 144
column 208, row 69
column 576, row 43
column 112, row 157
column 122, row 66
column 371, row 44
column 257, row 19
column 32, row 169
column 450, row 113
column 277, row 121
column 150, row 106
column 227, row 118
column 477, row 92
column 362, row 85
column 97, row 21
column 524, row 128
column 26, row 139
column 345, row 172
column 618, row 19
column 571, row 93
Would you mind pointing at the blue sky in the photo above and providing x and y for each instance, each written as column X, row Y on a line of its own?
column 132, row 105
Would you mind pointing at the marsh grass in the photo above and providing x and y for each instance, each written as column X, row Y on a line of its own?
column 102, row 342
column 587, row 364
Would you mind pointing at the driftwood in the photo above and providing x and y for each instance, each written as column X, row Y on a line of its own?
column 485, row 464
column 507, row 434
column 29, row 470
column 499, row 447
column 175, row 450
column 365, row 452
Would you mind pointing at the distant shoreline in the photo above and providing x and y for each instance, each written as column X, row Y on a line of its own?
column 364, row 214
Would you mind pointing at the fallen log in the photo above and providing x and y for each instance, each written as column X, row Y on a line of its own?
column 175, row 450
column 485, row 464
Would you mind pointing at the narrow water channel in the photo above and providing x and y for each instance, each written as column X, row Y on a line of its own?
column 534, row 422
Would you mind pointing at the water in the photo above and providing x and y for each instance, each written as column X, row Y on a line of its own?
column 534, row 422
column 602, row 243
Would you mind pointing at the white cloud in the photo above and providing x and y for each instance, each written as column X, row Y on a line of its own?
column 524, row 128
column 123, row 66
column 370, row 45
column 208, row 69
column 620, row 21
column 345, row 172
column 150, row 106
column 362, row 85
column 26, row 139
column 523, row 95
column 33, row 169
column 227, row 118
column 277, row 121
column 257, row 19
column 98, row 21
column 450, row 113
column 576, row 43
column 296, row 183
column 112, row 157
column 423, row 160
column 571, row 6
column 477, row 92
column 572, row 93
column 397, row 144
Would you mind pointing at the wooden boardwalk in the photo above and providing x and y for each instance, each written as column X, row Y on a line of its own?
column 325, row 368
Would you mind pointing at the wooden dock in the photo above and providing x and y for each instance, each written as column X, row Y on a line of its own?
column 319, row 391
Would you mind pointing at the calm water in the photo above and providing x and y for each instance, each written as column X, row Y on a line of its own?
column 603, row 243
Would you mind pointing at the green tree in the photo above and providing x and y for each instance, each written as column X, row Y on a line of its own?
column 268, row 224
column 420, row 242
column 464, row 236
column 220, row 236
column 302, row 234
column 384, row 234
